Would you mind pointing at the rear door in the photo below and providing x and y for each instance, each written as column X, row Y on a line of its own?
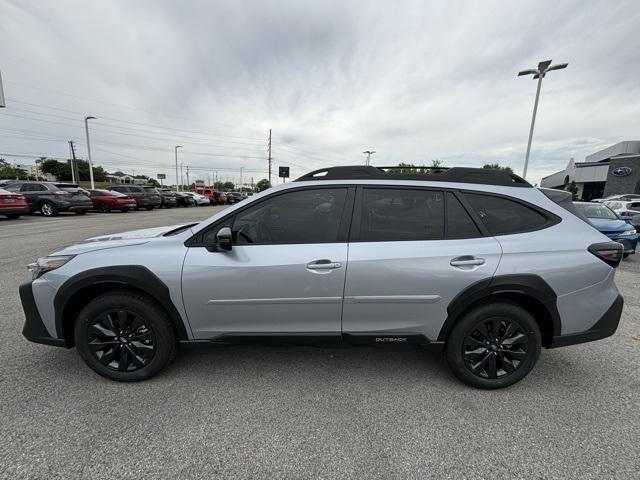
column 411, row 252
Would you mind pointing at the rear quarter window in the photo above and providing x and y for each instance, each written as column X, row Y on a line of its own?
column 503, row 216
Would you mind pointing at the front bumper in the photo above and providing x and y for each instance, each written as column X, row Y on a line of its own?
column 34, row 329
column 605, row 327
column 628, row 242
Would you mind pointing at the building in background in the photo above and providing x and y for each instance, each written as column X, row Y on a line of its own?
column 612, row 171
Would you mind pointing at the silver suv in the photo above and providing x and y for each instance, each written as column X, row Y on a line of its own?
column 474, row 262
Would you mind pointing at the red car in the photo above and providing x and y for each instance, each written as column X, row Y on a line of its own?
column 106, row 200
column 12, row 205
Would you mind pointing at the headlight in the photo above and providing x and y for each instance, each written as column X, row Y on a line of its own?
column 630, row 232
column 46, row 264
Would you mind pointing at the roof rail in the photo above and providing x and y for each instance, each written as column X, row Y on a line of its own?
column 431, row 174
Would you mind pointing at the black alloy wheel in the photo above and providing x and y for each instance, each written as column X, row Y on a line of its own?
column 103, row 208
column 121, row 340
column 495, row 347
column 125, row 335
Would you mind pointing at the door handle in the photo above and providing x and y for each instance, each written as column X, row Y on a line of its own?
column 323, row 264
column 466, row 261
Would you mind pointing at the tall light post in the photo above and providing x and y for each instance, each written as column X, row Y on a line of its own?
column 539, row 73
column 86, row 130
column 175, row 149
column 2, row 104
column 241, row 168
column 368, row 153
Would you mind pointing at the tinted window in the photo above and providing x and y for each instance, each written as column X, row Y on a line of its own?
column 459, row 222
column 13, row 188
column 308, row 216
column 33, row 187
column 633, row 205
column 119, row 189
column 396, row 214
column 503, row 216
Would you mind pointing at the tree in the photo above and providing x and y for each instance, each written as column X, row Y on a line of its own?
column 573, row 188
column 263, row 185
column 10, row 172
column 153, row 182
column 497, row 166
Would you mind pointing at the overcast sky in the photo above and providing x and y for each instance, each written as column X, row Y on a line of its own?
column 413, row 80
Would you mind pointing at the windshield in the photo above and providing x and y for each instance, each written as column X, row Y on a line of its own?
column 596, row 211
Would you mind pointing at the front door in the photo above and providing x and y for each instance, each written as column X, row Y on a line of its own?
column 284, row 274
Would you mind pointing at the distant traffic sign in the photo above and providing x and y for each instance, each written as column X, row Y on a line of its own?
column 162, row 176
column 283, row 172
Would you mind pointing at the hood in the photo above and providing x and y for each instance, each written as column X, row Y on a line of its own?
column 123, row 239
column 607, row 225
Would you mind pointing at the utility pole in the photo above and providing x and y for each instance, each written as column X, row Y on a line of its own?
column 188, row 182
column 72, row 162
column 269, row 157
column 539, row 73
column 86, row 129
column 181, row 178
column 175, row 149
column 368, row 153
column 241, row 168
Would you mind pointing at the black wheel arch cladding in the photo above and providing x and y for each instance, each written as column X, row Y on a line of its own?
column 527, row 285
column 136, row 276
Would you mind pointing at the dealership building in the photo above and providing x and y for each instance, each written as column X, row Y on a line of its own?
column 612, row 171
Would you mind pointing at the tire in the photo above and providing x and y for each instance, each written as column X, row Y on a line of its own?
column 48, row 209
column 625, row 255
column 13, row 216
column 124, row 210
column 512, row 357
column 146, row 332
column 149, row 208
column 104, row 208
column 81, row 212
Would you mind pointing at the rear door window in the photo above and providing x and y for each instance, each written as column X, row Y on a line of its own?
column 395, row 214
column 503, row 216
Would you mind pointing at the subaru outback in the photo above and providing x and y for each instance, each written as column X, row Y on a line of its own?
column 476, row 263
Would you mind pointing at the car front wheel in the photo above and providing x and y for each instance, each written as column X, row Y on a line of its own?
column 48, row 209
column 124, row 336
column 494, row 345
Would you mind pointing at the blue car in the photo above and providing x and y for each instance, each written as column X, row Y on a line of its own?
column 608, row 222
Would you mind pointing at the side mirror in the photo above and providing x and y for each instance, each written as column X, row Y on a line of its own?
column 223, row 239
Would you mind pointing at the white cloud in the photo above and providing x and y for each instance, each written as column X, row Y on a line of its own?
column 412, row 80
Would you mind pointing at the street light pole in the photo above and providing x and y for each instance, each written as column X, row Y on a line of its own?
column 2, row 104
column 539, row 73
column 368, row 153
column 175, row 149
column 86, row 130
column 241, row 168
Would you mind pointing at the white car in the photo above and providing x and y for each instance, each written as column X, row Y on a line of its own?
column 624, row 209
column 625, row 198
column 200, row 199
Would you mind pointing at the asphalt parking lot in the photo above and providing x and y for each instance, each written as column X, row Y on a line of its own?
column 305, row 412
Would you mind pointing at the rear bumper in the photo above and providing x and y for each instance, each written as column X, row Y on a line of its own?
column 14, row 209
column 34, row 329
column 605, row 327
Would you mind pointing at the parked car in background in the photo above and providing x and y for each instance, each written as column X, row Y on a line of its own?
column 106, row 200
column 230, row 198
column 185, row 200
column 624, row 197
column 200, row 200
column 167, row 198
column 142, row 198
column 625, row 209
column 154, row 196
column 49, row 200
column 221, row 198
column 608, row 222
column 237, row 196
column 12, row 205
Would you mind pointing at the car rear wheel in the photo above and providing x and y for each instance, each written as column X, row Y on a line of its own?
column 48, row 209
column 103, row 208
column 149, row 207
column 124, row 336
column 494, row 345
column 124, row 210
column 81, row 212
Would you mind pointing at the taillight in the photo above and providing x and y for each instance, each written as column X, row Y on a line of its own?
column 60, row 192
column 609, row 252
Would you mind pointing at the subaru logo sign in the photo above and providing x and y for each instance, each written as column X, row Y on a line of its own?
column 621, row 171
